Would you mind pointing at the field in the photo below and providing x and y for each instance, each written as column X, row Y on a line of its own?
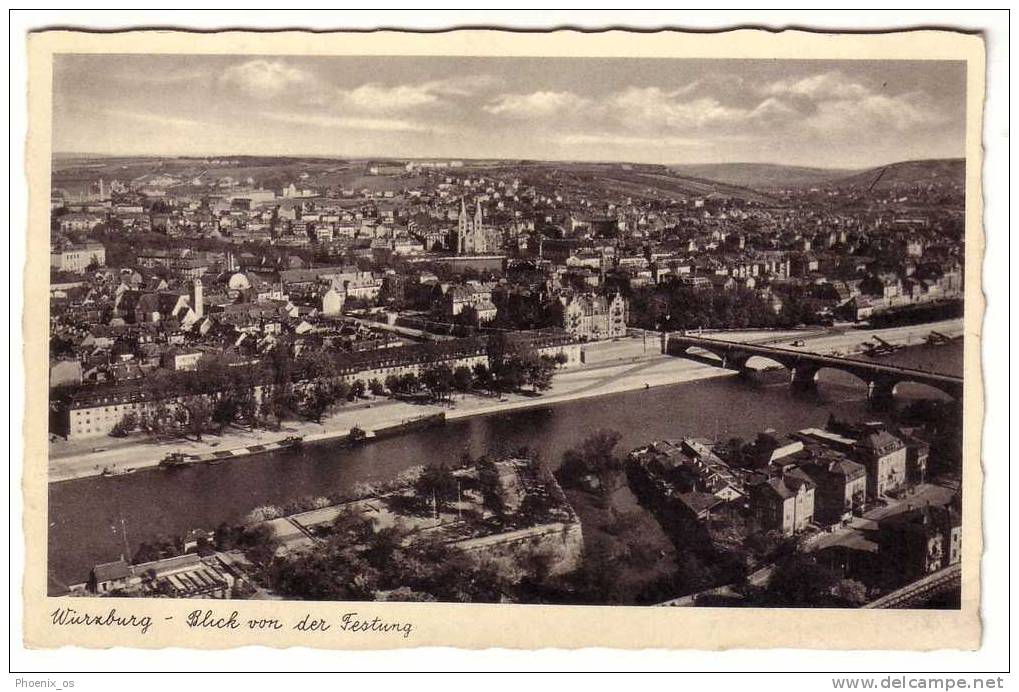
column 264, row 172
column 751, row 182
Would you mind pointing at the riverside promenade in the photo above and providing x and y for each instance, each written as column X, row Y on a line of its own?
column 611, row 367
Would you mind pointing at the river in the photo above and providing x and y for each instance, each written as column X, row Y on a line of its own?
column 86, row 515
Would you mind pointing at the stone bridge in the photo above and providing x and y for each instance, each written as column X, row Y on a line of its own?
column 921, row 591
column 804, row 366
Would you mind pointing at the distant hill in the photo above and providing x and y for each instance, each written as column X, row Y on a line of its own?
column 648, row 181
column 762, row 176
column 943, row 171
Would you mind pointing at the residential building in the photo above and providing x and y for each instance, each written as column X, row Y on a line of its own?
column 593, row 317
column 78, row 258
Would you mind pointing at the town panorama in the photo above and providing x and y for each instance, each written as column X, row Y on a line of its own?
column 506, row 380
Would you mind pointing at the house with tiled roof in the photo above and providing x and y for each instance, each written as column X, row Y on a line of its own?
column 785, row 502
column 593, row 317
column 181, row 576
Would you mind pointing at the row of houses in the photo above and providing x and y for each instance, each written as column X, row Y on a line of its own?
column 812, row 478
column 94, row 411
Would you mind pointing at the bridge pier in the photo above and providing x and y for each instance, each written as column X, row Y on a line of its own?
column 881, row 394
column 735, row 361
column 803, row 377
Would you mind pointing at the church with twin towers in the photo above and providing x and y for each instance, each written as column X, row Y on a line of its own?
column 472, row 238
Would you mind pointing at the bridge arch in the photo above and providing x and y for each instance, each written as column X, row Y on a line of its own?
column 847, row 376
column 760, row 362
column 913, row 389
column 711, row 356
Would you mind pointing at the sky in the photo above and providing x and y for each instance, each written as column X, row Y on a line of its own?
column 832, row 114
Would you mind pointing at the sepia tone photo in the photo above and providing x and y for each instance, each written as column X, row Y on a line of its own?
column 670, row 333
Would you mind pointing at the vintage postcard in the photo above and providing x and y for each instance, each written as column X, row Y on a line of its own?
column 503, row 339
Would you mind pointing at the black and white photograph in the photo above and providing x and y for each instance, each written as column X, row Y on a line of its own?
column 507, row 330
column 575, row 340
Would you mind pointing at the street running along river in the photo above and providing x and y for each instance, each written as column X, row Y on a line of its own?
column 87, row 515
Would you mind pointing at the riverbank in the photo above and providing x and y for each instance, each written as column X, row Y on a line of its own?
column 629, row 364
column 85, row 515
column 380, row 416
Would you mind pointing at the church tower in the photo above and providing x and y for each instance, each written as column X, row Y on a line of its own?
column 197, row 299
column 479, row 239
column 470, row 235
column 463, row 229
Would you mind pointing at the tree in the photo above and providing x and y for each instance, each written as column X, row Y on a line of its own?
column 225, row 410
column 800, row 581
column 161, row 384
column 467, row 317
column 438, row 379
column 156, row 420
column 332, row 573
column 279, row 401
column 376, row 387
column 482, row 377
column 247, row 407
column 357, row 389
column 509, row 374
column 851, row 591
column 321, row 397
column 159, row 548
column 408, row 383
column 593, row 457
column 437, row 482
column 262, row 513
column 539, row 371
column 393, row 383
column 198, row 416
column 315, row 365
column 351, row 526
column 490, row 486
column 125, row 425
column 462, row 378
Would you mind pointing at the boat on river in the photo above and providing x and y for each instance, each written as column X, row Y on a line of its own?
column 112, row 472
column 175, row 460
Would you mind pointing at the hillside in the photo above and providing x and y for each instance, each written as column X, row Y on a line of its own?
column 762, row 176
column 651, row 181
column 929, row 171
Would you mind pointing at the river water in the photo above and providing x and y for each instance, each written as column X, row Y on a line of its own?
column 86, row 515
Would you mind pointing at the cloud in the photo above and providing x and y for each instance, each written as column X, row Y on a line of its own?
column 639, row 110
column 157, row 119
column 827, row 85
column 266, row 79
column 834, row 104
column 827, row 104
column 352, row 123
column 654, row 107
column 773, row 111
column 368, row 97
column 162, row 74
column 820, row 107
column 622, row 140
column 540, row 104
column 402, row 97
column 875, row 112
